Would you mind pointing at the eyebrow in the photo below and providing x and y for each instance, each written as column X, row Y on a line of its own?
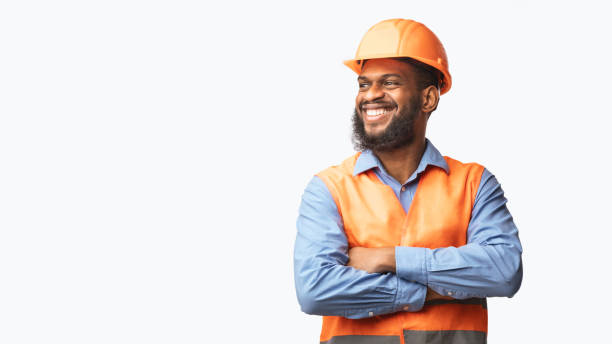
column 384, row 76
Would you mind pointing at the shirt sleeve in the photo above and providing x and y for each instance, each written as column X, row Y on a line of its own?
column 324, row 284
column 488, row 265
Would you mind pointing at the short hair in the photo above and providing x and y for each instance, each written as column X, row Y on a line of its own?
column 426, row 74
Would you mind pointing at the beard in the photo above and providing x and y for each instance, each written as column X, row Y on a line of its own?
column 399, row 133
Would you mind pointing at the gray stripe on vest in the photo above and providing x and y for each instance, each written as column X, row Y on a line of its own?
column 445, row 337
column 472, row 301
column 355, row 339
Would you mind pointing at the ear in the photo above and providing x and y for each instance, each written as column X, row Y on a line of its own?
column 429, row 99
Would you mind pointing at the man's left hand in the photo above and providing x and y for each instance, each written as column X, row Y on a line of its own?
column 372, row 260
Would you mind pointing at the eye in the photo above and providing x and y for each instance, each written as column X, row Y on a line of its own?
column 363, row 85
column 390, row 83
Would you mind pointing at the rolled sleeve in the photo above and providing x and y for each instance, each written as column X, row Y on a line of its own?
column 324, row 284
column 488, row 265
column 410, row 295
column 411, row 263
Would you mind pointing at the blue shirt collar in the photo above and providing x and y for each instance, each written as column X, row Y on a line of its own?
column 368, row 160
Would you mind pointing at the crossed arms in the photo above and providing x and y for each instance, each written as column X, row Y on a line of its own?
column 332, row 279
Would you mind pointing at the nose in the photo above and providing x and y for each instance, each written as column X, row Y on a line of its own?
column 373, row 93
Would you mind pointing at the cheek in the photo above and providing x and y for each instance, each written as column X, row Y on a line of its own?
column 358, row 102
column 399, row 98
column 358, row 99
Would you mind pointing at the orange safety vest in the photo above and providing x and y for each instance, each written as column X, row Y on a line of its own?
column 438, row 217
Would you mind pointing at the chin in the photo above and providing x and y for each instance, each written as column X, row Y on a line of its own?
column 375, row 129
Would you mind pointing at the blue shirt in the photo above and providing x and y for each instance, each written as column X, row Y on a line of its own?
column 488, row 265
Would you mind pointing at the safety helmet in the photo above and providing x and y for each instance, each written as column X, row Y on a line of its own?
column 403, row 38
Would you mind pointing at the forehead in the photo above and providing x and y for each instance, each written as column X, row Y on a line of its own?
column 376, row 68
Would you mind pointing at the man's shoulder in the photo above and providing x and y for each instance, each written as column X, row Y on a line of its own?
column 469, row 174
column 341, row 170
column 455, row 164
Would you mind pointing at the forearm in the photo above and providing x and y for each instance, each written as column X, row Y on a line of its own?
column 373, row 259
column 324, row 284
column 463, row 272
column 490, row 263
column 328, row 288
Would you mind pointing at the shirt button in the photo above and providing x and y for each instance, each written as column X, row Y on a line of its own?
column 370, row 313
column 450, row 293
column 403, row 188
column 406, row 308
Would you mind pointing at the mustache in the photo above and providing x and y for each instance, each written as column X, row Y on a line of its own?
column 378, row 102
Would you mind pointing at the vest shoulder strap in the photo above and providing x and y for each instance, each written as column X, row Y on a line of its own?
column 333, row 176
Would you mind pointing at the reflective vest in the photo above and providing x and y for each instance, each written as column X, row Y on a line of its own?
column 438, row 217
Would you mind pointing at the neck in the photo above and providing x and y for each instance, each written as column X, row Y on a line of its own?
column 402, row 162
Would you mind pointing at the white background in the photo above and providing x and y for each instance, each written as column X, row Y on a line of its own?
column 153, row 155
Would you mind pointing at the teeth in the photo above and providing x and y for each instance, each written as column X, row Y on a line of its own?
column 376, row 112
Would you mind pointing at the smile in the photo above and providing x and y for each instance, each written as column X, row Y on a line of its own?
column 374, row 114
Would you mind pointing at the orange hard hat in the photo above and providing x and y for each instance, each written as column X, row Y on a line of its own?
column 403, row 38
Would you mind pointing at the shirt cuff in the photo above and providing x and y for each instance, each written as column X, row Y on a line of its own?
column 410, row 296
column 411, row 263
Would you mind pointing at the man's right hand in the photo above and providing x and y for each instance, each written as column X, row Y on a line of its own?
column 432, row 295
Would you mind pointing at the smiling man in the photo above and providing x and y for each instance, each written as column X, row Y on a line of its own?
column 399, row 244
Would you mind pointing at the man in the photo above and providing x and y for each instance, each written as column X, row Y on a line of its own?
column 399, row 244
